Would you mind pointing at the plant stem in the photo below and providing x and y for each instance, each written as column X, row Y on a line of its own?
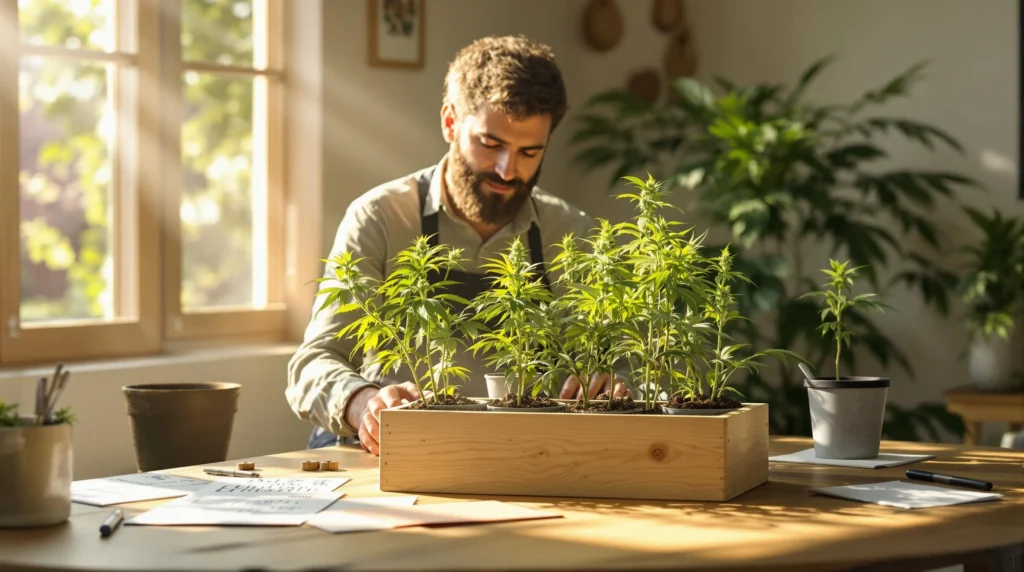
column 839, row 340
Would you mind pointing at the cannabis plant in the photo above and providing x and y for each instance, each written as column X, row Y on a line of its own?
column 668, row 283
column 779, row 172
column 589, row 312
column 993, row 282
column 517, row 307
column 838, row 302
column 727, row 358
column 406, row 320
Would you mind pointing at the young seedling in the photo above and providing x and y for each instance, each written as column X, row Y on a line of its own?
column 408, row 320
column 840, row 281
column 517, row 304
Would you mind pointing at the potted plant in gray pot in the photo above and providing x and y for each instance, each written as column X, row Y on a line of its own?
column 992, row 286
column 35, row 467
column 846, row 411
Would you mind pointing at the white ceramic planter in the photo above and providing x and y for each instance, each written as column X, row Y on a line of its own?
column 990, row 363
column 847, row 416
column 35, row 475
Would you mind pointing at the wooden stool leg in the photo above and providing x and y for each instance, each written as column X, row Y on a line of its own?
column 973, row 433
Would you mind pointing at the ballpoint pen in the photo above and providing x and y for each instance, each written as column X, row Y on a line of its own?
column 230, row 473
column 948, row 479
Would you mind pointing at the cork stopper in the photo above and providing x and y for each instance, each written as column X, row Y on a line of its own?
column 310, row 466
column 328, row 465
column 246, row 466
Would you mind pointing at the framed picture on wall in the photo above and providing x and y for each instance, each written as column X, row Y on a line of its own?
column 397, row 35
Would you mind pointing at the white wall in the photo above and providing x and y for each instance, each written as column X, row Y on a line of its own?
column 382, row 123
column 970, row 89
column 102, row 439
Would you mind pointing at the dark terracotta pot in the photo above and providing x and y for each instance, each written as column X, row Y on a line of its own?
column 181, row 424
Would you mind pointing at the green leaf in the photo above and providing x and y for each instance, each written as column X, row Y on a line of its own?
column 806, row 78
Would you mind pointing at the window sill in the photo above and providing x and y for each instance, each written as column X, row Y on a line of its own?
column 173, row 355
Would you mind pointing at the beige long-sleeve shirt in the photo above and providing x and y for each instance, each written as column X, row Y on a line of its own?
column 378, row 224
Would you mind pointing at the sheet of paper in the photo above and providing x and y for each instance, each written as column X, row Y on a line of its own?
column 247, row 502
column 355, row 515
column 900, row 494
column 390, row 516
column 139, row 487
column 882, row 460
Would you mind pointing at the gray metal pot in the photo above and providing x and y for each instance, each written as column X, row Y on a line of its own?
column 847, row 416
column 35, row 474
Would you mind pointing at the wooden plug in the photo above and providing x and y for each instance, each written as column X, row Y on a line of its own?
column 328, row 465
column 246, row 466
column 310, row 466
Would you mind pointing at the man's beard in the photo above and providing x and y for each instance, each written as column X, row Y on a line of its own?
column 477, row 205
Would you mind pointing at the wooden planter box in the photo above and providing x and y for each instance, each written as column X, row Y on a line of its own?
column 667, row 457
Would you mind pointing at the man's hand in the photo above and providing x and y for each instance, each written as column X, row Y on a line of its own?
column 389, row 396
column 599, row 383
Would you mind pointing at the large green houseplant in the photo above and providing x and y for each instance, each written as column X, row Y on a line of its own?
column 780, row 174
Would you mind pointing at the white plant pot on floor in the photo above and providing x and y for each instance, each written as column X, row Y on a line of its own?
column 990, row 363
column 847, row 416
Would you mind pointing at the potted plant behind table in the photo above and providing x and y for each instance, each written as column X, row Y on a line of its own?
column 992, row 286
column 517, row 306
column 712, row 362
column 846, row 411
column 35, row 466
column 669, row 285
column 590, row 338
column 408, row 319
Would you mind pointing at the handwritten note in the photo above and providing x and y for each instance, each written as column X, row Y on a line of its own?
column 108, row 491
column 393, row 515
column 899, row 494
column 247, row 502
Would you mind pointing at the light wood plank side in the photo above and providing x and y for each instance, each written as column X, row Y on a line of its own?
column 581, row 455
column 746, row 460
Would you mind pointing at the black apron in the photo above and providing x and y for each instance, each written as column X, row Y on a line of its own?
column 469, row 285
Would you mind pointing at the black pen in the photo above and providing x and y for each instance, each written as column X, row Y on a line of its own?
column 110, row 525
column 949, row 479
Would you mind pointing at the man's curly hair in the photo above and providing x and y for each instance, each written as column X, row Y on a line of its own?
column 515, row 75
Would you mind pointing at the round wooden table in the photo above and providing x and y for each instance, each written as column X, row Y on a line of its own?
column 777, row 526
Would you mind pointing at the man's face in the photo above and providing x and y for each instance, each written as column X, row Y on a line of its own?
column 494, row 162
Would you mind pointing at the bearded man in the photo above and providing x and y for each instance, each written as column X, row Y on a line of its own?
column 503, row 97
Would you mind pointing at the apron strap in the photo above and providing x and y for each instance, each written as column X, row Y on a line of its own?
column 429, row 225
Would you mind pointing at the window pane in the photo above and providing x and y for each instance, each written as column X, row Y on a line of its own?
column 218, row 202
column 67, row 128
column 67, row 23
column 217, row 31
